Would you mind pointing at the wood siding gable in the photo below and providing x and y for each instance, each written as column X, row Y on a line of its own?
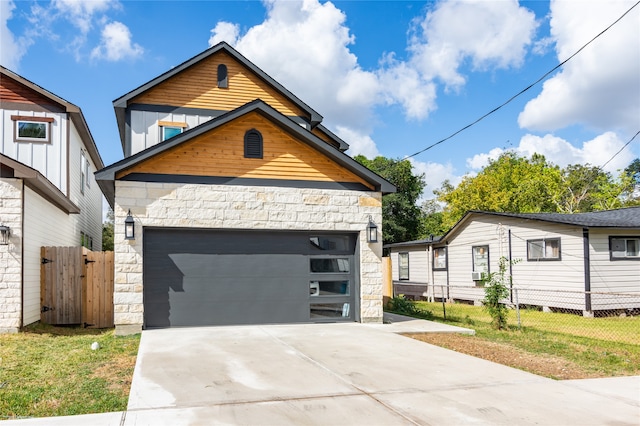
column 13, row 92
column 197, row 87
column 219, row 152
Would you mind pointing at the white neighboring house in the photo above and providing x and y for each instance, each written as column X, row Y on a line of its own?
column 48, row 193
column 562, row 261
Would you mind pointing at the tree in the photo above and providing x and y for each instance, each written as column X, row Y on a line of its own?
column 107, row 232
column 516, row 184
column 510, row 183
column 432, row 219
column 401, row 217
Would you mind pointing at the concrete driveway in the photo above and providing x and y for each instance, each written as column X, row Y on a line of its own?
column 350, row 374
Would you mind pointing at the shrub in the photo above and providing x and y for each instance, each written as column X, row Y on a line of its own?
column 495, row 290
column 403, row 306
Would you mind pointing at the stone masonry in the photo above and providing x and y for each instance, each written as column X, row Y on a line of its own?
column 239, row 207
column 11, row 256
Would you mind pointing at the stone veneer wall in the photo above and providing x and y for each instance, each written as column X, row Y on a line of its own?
column 239, row 207
column 11, row 256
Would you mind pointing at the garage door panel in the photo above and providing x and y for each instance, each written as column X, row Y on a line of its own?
column 190, row 279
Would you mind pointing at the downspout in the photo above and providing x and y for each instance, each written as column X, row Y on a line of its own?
column 447, row 263
column 587, row 270
column 22, row 261
column 510, row 268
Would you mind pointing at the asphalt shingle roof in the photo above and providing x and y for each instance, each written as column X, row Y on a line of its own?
column 621, row 218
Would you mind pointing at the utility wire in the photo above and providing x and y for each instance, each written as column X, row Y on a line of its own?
column 525, row 89
column 621, row 149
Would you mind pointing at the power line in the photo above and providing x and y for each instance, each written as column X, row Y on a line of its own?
column 621, row 149
column 526, row 88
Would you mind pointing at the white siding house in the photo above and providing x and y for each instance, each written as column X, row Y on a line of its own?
column 48, row 194
column 558, row 261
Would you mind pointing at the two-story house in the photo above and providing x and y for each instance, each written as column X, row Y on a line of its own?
column 48, row 193
column 234, row 205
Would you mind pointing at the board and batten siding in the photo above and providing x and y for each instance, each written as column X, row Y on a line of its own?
column 48, row 158
column 146, row 131
column 220, row 152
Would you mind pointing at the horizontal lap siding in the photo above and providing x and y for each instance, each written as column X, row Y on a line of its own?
column 220, row 152
column 196, row 87
column 12, row 91
column 612, row 276
column 567, row 274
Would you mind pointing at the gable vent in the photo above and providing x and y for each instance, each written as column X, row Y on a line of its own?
column 252, row 144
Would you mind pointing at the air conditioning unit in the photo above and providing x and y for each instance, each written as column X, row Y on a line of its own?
column 476, row 276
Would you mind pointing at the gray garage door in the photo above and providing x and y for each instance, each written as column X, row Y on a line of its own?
column 204, row 277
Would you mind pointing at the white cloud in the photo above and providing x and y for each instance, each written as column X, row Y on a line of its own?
column 487, row 33
column 224, row 31
column 11, row 49
column 359, row 144
column 115, row 44
column 559, row 151
column 478, row 161
column 599, row 87
column 435, row 174
column 81, row 12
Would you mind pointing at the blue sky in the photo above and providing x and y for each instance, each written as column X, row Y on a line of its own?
column 389, row 77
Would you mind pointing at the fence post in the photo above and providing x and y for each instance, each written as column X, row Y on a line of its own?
column 515, row 293
column 444, row 309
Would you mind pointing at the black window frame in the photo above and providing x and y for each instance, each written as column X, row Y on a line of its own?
column 401, row 277
column 623, row 237
column 253, row 148
column 544, row 250
column 446, row 259
column 222, row 76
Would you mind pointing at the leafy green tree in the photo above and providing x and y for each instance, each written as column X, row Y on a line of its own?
column 517, row 184
column 401, row 217
column 107, row 232
column 510, row 183
column 432, row 219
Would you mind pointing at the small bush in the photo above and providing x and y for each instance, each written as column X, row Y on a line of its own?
column 403, row 306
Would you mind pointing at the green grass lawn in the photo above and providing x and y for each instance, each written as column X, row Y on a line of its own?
column 52, row 371
column 604, row 346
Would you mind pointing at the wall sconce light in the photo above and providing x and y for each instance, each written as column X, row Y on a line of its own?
column 129, row 228
column 372, row 232
column 5, row 231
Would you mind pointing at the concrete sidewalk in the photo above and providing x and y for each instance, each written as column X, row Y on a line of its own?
column 347, row 374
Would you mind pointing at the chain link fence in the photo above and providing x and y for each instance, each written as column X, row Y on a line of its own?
column 612, row 316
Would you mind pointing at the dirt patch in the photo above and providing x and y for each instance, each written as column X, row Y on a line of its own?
column 118, row 372
column 540, row 364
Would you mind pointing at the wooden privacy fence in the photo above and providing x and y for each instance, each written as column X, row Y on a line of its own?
column 76, row 287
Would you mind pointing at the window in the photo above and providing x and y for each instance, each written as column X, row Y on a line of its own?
column 32, row 129
column 334, row 265
column 86, row 172
column 83, row 171
column 168, row 132
column 252, row 144
column 223, row 81
column 621, row 248
column 329, row 288
column 545, row 249
column 403, row 266
column 440, row 258
column 169, row 129
column 480, row 259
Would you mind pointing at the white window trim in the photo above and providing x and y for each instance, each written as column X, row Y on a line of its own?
column 401, row 267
